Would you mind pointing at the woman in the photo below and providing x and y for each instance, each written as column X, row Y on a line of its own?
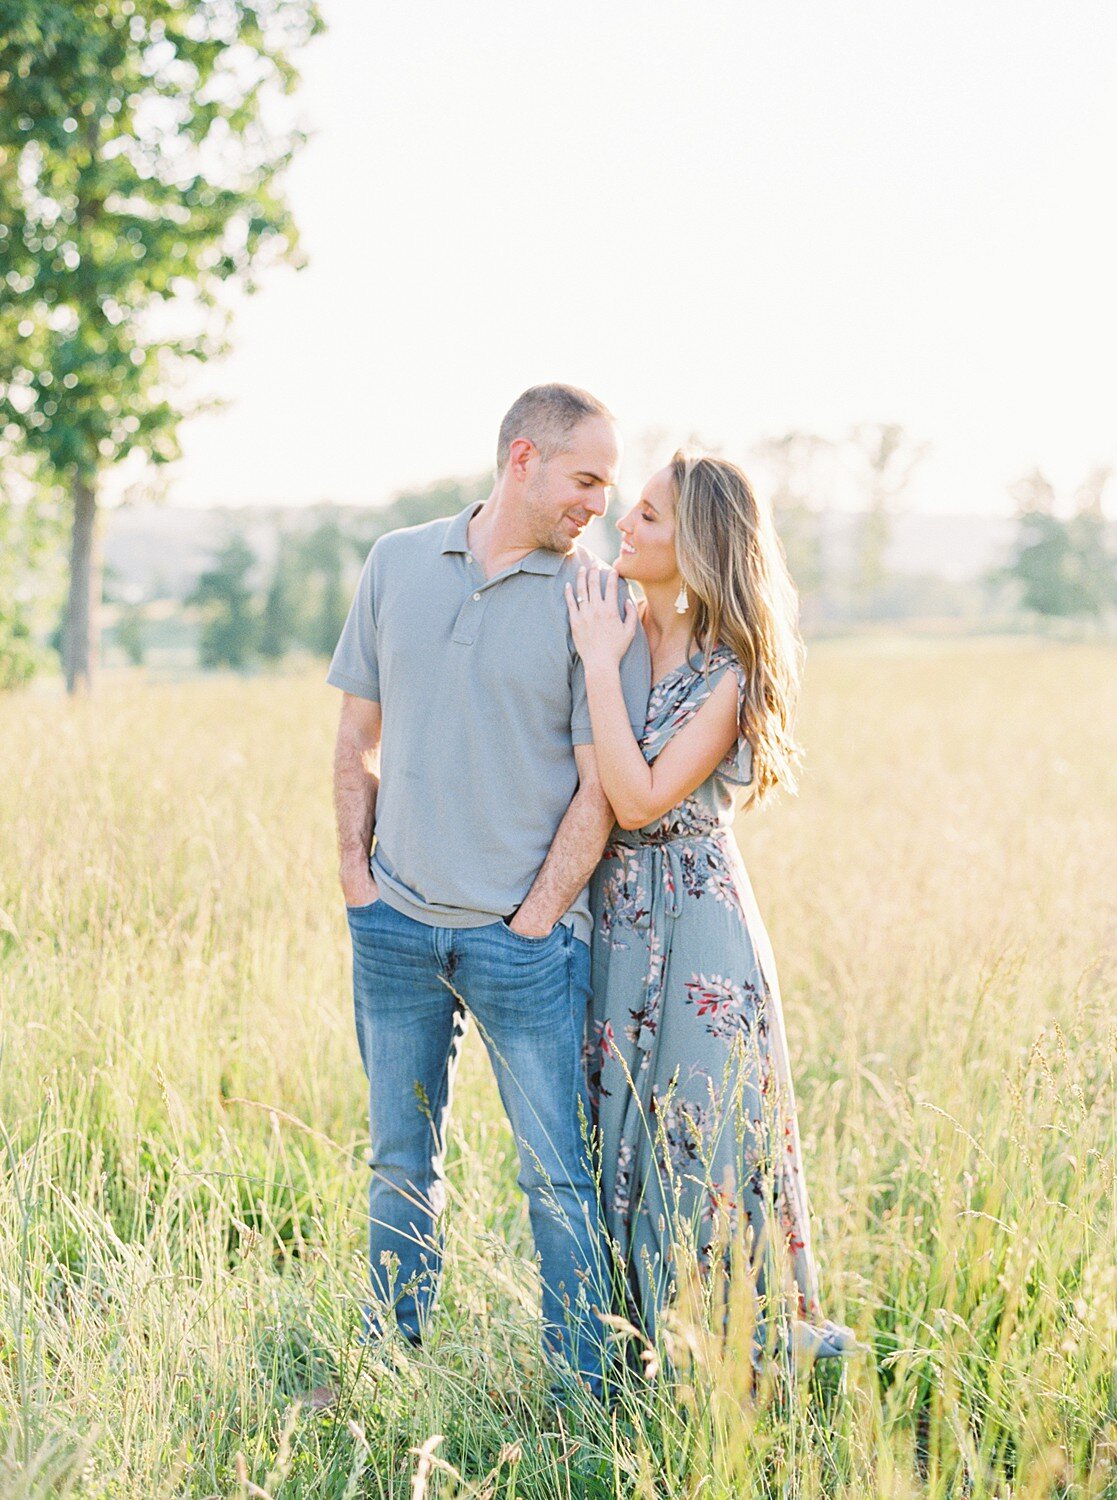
column 687, row 1054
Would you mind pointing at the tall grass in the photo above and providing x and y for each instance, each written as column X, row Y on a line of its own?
column 182, row 1127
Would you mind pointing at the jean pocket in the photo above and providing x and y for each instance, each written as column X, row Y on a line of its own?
column 363, row 911
column 531, row 942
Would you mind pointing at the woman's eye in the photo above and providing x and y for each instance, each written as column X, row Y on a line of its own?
column 645, row 517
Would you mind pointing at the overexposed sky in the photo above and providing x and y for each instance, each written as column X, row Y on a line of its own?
column 725, row 218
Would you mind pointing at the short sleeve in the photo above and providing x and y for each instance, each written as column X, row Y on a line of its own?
column 355, row 666
column 636, row 680
column 737, row 767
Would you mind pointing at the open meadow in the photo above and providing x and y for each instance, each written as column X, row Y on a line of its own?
column 182, row 1114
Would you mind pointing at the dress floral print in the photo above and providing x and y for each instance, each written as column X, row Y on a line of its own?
column 685, row 1047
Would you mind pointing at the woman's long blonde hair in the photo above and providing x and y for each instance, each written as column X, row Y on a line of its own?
column 742, row 597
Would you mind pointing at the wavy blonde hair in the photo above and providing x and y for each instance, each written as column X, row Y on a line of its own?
column 742, row 597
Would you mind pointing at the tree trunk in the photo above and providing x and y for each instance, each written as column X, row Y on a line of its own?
column 82, row 634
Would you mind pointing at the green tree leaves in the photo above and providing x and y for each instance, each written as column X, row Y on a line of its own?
column 1063, row 565
column 229, row 622
column 140, row 170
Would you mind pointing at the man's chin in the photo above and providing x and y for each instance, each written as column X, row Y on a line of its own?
column 564, row 540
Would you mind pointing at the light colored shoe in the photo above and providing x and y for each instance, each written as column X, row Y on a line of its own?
column 823, row 1340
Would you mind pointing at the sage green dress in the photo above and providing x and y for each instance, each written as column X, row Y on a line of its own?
column 687, row 1058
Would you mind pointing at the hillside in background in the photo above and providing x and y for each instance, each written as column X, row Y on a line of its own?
column 156, row 551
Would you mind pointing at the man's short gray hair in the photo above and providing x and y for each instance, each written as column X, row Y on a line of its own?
column 547, row 415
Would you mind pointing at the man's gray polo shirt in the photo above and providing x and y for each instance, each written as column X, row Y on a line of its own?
column 483, row 699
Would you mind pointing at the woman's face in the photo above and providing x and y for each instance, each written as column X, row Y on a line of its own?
column 648, row 534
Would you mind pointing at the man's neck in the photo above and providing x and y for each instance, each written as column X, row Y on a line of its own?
column 496, row 538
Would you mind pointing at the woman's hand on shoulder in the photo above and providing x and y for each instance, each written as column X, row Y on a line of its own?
column 601, row 634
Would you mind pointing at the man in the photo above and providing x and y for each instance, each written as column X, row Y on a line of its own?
column 457, row 665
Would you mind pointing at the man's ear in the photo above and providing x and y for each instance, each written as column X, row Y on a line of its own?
column 519, row 456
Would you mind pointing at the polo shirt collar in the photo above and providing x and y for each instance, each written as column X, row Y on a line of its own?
column 457, row 532
column 457, row 540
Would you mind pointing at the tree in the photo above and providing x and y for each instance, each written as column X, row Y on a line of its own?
column 322, row 573
column 140, row 173
column 307, row 599
column 798, row 464
column 29, row 532
column 229, row 622
column 279, row 619
column 883, row 459
column 1063, row 566
column 1095, row 564
column 131, row 633
column 445, row 497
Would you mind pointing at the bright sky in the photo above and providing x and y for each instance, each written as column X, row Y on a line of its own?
column 727, row 219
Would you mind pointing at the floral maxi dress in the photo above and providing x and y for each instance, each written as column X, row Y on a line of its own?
column 686, row 1052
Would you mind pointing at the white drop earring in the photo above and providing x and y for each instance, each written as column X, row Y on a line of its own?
column 682, row 601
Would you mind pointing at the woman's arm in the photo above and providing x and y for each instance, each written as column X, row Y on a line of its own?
column 638, row 792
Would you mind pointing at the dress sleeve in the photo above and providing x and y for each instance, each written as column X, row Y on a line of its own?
column 736, row 768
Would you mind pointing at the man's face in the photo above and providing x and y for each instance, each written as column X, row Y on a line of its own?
column 563, row 493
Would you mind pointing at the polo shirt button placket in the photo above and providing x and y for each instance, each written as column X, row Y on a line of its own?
column 469, row 620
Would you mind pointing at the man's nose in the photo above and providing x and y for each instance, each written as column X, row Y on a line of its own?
column 597, row 502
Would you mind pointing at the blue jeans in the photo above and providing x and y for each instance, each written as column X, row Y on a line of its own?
column 412, row 986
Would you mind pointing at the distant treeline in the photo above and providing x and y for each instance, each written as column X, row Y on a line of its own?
column 278, row 585
column 1061, row 564
column 247, row 612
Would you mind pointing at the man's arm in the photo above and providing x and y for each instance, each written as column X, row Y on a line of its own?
column 356, row 762
column 575, row 850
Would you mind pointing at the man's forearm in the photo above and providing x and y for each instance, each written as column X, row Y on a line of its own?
column 355, row 789
column 573, row 856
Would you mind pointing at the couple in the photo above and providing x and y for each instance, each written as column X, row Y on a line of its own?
column 551, row 853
